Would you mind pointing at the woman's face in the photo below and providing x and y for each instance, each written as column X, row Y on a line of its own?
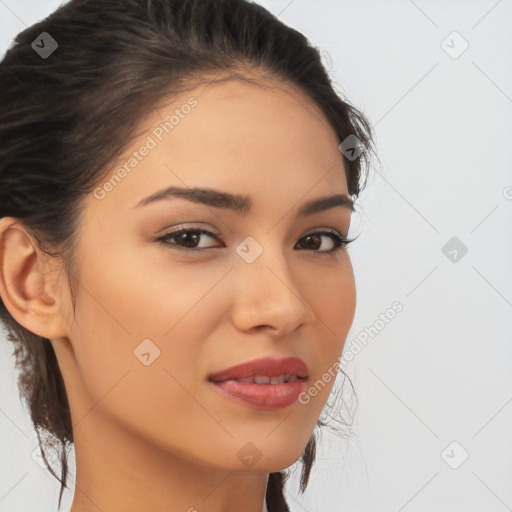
column 154, row 322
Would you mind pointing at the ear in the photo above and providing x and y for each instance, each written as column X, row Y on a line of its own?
column 30, row 285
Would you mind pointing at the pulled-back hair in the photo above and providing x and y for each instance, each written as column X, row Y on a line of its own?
column 64, row 118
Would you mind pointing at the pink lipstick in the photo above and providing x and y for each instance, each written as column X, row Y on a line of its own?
column 265, row 383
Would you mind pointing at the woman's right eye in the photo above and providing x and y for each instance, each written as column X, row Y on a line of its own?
column 187, row 236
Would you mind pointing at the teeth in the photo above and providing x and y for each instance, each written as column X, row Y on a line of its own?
column 262, row 379
column 248, row 379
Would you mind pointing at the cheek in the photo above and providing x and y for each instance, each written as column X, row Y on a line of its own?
column 334, row 304
column 130, row 314
column 153, row 400
column 331, row 293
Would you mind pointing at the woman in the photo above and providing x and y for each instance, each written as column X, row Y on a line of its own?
column 176, row 184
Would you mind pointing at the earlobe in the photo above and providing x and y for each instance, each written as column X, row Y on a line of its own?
column 28, row 286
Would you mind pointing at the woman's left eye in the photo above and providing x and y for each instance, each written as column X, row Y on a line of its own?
column 190, row 237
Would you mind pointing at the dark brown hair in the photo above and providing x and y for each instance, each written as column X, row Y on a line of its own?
column 64, row 118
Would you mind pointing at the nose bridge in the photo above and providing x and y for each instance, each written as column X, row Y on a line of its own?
column 264, row 259
column 268, row 293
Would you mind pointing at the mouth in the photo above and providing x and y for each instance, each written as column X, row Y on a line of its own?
column 265, row 379
column 263, row 383
column 263, row 370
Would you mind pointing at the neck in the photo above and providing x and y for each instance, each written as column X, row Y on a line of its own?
column 117, row 470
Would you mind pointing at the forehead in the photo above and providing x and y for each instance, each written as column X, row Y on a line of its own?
column 237, row 136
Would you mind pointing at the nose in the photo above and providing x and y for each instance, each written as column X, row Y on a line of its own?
column 269, row 295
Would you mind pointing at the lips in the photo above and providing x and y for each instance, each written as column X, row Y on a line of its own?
column 264, row 371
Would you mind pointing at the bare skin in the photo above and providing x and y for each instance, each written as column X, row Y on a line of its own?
column 158, row 437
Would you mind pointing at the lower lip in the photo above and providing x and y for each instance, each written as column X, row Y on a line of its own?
column 262, row 396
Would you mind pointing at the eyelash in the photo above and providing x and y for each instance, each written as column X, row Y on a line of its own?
column 340, row 242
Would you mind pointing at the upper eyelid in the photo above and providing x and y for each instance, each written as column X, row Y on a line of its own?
column 215, row 234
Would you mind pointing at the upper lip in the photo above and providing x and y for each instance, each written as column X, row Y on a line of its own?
column 266, row 366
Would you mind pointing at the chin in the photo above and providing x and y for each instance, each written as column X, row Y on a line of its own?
column 272, row 458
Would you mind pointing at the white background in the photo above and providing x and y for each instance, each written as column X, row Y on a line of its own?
column 441, row 370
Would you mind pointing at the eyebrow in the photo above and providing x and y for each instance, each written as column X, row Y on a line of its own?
column 239, row 203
